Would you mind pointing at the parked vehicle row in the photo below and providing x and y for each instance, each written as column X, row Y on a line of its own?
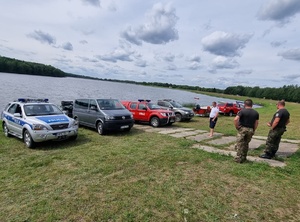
column 37, row 120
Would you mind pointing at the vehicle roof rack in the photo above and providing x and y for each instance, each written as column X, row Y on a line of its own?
column 27, row 100
column 144, row 100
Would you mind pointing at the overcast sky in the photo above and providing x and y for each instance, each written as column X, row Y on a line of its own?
column 212, row 43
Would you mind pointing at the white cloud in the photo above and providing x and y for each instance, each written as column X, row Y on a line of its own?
column 221, row 62
column 292, row 54
column 42, row 37
column 225, row 44
column 159, row 28
column 279, row 10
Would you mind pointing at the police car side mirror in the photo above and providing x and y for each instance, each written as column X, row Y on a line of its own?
column 17, row 115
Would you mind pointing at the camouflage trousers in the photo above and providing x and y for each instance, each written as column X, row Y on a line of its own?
column 244, row 137
column 273, row 141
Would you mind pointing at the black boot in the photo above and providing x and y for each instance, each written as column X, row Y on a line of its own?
column 266, row 156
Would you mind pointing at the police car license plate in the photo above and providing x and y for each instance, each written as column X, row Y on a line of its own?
column 124, row 127
column 172, row 120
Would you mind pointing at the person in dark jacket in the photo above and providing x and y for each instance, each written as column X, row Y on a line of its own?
column 246, row 122
column 277, row 127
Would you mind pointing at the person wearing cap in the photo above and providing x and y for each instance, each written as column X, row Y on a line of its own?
column 277, row 127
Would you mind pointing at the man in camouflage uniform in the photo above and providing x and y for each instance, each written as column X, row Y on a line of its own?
column 246, row 122
column 278, row 126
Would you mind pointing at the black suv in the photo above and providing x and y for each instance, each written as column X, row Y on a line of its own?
column 182, row 113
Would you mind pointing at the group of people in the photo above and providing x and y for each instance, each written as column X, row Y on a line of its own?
column 246, row 122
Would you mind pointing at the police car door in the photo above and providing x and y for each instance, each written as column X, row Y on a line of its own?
column 15, row 121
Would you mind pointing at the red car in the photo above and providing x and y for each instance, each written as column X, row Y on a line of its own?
column 229, row 109
column 145, row 111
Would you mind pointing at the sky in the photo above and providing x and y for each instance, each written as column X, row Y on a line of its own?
column 206, row 43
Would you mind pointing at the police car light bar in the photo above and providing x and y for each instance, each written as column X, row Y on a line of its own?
column 144, row 100
column 26, row 100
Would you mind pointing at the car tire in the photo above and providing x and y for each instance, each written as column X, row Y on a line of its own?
column 178, row 117
column 28, row 139
column 230, row 113
column 154, row 121
column 6, row 130
column 100, row 128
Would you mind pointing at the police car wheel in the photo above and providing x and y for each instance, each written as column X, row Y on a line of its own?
column 154, row 122
column 28, row 139
column 5, row 130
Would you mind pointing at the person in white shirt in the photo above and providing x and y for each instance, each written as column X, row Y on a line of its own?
column 213, row 118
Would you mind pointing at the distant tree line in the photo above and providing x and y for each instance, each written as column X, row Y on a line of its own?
column 30, row 68
column 289, row 93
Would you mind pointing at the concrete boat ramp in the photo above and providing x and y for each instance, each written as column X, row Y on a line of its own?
column 224, row 145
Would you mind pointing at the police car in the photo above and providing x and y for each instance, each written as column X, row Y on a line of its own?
column 37, row 120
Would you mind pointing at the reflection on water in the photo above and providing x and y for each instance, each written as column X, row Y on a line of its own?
column 15, row 86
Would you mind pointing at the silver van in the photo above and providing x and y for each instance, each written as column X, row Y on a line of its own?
column 102, row 114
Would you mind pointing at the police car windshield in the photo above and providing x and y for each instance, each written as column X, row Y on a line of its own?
column 41, row 110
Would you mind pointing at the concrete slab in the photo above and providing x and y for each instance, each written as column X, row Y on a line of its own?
column 203, row 136
column 223, row 140
column 254, row 144
column 175, row 130
column 273, row 163
column 282, row 140
column 287, row 149
column 185, row 134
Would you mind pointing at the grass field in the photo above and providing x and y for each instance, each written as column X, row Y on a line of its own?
column 141, row 176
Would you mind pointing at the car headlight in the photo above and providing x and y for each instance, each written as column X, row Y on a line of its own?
column 109, row 117
column 74, row 123
column 163, row 114
column 131, row 116
column 38, row 127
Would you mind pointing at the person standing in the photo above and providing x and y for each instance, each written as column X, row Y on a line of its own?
column 246, row 122
column 278, row 126
column 213, row 118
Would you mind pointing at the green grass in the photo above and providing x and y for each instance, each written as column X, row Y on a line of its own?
column 141, row 176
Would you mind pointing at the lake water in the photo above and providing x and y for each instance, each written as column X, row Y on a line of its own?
column 14, row 86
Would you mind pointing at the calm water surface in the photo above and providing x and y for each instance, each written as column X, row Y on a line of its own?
column 14, row 86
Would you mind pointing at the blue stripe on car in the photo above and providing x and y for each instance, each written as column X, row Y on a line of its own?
column 53, row 119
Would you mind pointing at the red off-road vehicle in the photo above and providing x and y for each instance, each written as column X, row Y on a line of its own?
column 145, row 111
column 229, row 109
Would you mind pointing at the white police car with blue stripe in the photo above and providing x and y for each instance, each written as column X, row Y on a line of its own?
column 37, row 120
